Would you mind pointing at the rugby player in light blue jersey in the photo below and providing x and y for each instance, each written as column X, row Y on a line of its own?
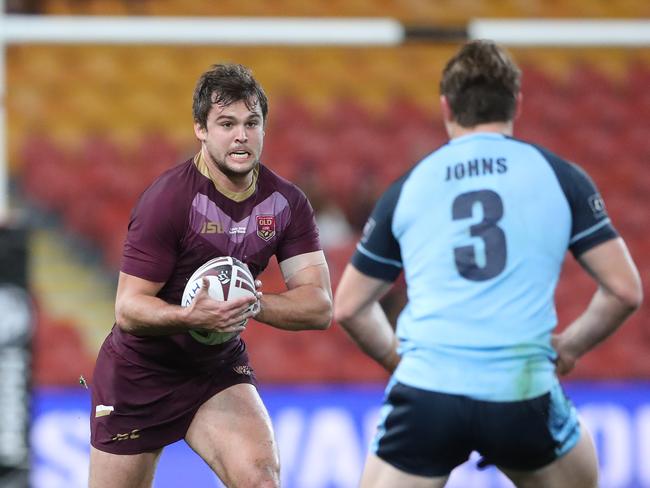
column 480, row 228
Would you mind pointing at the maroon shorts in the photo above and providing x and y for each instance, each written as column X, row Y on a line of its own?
column 139, row 409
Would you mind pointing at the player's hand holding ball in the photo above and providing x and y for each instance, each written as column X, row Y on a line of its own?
column 221, row 295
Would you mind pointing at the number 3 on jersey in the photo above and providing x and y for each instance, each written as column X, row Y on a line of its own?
column 487, row 229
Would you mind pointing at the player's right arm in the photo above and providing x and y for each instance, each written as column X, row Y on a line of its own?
column 358, row 311
column 618, row 295
column 139, row 311
column 374, row 267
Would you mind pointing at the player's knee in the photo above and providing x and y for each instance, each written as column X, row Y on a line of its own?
column 266, row 480
column 261, row 474
column 267, row 475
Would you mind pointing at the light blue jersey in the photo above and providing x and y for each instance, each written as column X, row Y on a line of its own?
column 481, row 227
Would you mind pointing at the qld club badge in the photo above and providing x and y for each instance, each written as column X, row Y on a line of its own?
column 265, row 226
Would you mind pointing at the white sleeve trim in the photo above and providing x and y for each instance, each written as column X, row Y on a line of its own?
column 377, row 258
column 588, row 231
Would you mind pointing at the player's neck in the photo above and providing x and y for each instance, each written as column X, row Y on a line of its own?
column 232, row 183
column 455, row 130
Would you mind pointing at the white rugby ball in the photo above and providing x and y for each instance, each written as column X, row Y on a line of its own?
column 229, row 279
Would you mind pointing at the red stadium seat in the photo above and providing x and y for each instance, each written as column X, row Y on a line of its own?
column 60, row 356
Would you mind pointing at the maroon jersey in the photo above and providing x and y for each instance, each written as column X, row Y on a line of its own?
column 181, row 221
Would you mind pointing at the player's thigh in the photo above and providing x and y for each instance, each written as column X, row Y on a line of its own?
column 232, row 432
column 379, row 474
column 123, row 471
column 578, row 468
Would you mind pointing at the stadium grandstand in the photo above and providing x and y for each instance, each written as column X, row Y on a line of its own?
column 89, row 125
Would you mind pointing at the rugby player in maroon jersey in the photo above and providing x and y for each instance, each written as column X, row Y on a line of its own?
column 154, row 383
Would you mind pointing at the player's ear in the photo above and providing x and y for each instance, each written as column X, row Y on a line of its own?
column 447, row 114
column 200, row 131
column 518, row 100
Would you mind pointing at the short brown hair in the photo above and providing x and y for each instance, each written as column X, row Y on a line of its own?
column 225, row 84
column 481, row 83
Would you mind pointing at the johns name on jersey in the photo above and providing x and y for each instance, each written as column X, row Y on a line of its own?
column 476, row 167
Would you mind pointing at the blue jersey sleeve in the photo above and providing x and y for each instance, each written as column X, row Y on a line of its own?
column 378, row 253
column 590, row 223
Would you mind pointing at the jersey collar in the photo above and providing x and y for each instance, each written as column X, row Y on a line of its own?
column 478, row 135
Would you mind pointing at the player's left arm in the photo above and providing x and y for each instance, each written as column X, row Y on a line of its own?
column 600, row 250
column 619, row 294
column 358, row 311
column 307, row 303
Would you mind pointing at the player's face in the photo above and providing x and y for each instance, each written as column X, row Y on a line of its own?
column 233, row 137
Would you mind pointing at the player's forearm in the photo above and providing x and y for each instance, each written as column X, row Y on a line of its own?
column 301, row 308
column 605, row 313
column 372, row 332
column 151, row 316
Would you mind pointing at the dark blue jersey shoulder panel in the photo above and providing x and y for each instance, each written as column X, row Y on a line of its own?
column 590, row 223
column 378, row 253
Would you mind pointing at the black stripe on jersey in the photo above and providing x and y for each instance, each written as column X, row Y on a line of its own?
column 590, row 223
column 378, row 253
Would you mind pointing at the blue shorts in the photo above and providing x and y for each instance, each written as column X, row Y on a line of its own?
column 426, row 433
